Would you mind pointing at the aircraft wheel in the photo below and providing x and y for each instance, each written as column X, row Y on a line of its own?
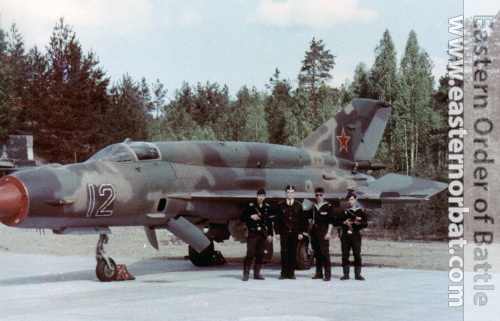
column 104, row 272
column 205, row 258
column 304, row 256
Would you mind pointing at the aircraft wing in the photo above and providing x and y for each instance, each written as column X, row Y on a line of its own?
column 248, row 195
column 389, row 189
column 400, row 189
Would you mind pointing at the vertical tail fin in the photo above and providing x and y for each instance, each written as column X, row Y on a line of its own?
column 354, row 133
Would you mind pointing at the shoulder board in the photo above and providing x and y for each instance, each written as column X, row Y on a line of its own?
column 251, row 204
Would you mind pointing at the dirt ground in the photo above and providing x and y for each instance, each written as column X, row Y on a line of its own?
column 131, row 242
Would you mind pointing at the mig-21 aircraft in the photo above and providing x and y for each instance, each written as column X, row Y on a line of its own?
column 197, row 189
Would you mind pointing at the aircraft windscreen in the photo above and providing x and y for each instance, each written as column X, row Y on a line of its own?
column 144, row 151
column 122, row 155
column 100, row 154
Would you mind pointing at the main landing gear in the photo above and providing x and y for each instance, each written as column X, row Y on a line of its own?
column 207, row 257
column 106, row 267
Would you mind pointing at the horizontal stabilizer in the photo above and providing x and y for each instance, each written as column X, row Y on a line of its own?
column 396, row 188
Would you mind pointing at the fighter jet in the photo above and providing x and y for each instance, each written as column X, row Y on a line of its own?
column 197, row 189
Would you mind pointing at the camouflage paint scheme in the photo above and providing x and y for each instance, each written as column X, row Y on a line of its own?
column 156, row 185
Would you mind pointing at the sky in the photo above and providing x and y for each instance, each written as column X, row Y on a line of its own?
column 237, row 43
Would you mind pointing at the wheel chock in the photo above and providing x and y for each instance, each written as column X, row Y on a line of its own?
column 122, row 273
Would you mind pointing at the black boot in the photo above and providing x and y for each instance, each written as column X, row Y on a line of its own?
column 318, row 275
column 256, row 272
column 328, row 274
column 357, row 273
column 346, row 273
column 246, row 271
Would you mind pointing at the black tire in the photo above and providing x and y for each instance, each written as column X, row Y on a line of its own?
column 205, row 258
column 104, row 272
column 304, row 257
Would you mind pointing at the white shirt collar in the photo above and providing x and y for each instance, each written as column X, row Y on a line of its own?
column 318, row 206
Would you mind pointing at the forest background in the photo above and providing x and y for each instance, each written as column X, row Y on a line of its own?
column 62, row 97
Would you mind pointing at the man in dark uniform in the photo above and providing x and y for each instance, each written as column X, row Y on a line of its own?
column 258, row 216
column 321, row 219
column 353, row 220
column 291, row 223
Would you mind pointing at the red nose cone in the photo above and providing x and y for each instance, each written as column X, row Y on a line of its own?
column 13, row 201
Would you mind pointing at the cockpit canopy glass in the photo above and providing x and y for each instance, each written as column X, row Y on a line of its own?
column 144, row 151
column 120, row 153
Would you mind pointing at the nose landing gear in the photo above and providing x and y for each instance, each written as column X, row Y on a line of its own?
column 106, row 266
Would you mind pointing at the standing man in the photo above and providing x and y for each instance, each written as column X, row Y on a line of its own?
column 321, row 218
column 258, row 217
column 353, row 220
column 290, row 224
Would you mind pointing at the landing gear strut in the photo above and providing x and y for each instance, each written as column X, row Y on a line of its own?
column 106, row 267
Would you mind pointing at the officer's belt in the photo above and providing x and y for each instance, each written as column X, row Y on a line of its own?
column 257, row 229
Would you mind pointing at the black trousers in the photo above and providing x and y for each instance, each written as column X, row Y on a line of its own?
column 256, row 244
column 348, row 242
column 321, row 249
column 288, row 242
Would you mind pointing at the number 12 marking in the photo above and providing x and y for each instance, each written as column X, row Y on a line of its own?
column 101, row 200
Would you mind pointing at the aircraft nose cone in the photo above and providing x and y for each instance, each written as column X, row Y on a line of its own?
column 13, row 201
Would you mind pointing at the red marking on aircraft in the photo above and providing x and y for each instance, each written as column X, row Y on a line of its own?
column 343, row 141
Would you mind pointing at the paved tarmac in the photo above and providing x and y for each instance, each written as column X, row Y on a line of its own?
column 42, row 287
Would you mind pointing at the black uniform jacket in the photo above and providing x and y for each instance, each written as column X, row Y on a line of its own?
column 357, row 214
column 290, row 219
column 321, row 217
column 266, row 214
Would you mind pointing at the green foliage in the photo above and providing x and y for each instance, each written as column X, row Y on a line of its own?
column 277, row 108
column 383, row 74
column 251, row 112
column 298, row 119
column 315, row 71
column 10, row 104
column 361, row 85
column 128, row 112
column 316, row 66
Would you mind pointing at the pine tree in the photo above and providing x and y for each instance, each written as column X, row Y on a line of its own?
column 413, row 102
column 383, row 74
column 277, row 106
column 360, row 86
column 251, row 116
column 298, row 119
column 326, row 105
column 128, row 116
column 315, row 71
column 67, row 95
column 256, row 128
column 9, row 101
column 177, row 123
column 238, row 114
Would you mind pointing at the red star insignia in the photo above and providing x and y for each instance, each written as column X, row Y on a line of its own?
column 343, row 141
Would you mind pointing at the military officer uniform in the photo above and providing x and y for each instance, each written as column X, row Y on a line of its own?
column 290, row 222
column 321, row 216
column 351, row 239
column 258, row 231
